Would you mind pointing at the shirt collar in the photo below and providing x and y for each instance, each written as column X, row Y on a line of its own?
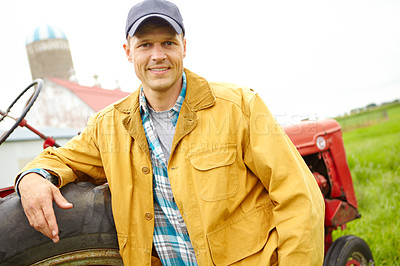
column 177, row 106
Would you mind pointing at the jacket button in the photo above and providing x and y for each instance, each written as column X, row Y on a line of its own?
column 145, row 170
column 148, row 216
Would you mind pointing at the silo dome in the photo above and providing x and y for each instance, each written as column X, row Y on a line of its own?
column 45, row 32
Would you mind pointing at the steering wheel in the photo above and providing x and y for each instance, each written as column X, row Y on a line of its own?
column 38, row 88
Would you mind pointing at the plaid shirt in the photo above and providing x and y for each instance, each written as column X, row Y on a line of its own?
column 170, row 238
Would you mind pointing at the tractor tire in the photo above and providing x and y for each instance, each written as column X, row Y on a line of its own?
column 87, row 231
column 349, row 250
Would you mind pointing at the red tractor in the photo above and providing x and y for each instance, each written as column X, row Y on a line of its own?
column 320, row 144
column 87, row 232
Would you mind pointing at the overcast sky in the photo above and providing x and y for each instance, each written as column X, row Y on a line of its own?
column 305, row 58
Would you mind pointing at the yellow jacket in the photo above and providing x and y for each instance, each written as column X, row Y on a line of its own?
column 245, row 193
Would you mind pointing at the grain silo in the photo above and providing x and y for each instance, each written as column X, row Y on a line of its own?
column 49, row 54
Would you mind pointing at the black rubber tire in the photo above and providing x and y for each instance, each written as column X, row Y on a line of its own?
column 348, row 247
column 88, row 225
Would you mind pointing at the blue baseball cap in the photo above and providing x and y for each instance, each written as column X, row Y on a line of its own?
column 153, row 8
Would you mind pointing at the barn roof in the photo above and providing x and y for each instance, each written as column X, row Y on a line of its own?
column 95, row 97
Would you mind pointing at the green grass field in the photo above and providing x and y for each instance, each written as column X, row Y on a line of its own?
column 372, row 142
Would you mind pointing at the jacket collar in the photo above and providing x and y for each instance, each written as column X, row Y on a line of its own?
column 199, row 95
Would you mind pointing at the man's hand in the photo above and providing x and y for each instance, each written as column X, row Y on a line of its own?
column 37, row 195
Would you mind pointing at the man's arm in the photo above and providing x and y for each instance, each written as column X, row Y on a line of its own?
column 78, row 160
column 37, row 195
column 298, row 202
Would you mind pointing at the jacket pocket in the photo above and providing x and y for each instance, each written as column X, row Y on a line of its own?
column 216, row 173
column 241, row 238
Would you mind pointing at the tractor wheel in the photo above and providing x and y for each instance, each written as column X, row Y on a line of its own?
column 87, row 231
column 349, row 250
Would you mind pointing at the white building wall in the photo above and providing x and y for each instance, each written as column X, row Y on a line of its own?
column 58, row 107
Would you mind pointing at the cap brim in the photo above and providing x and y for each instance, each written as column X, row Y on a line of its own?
column 138, row 22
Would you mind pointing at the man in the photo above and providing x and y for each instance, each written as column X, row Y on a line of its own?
column 199, row 172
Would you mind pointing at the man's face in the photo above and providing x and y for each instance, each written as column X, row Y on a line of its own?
column 157, row 55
